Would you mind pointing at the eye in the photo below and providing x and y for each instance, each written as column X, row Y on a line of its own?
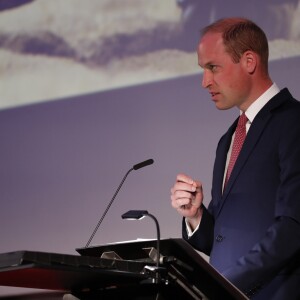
column 213, row 68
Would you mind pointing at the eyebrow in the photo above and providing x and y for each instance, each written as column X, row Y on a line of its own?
column 208, row 64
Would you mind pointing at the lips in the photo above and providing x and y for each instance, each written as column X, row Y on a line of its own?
column 213, row 94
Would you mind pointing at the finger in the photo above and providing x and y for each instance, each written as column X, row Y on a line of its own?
column 184, row 178
column 178, row 194
column 182, row 202
column 182, row 199
column 198, row 185
column 183, row 186
column 187, row 210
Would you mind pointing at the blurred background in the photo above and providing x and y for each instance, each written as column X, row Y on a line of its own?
column 90, row 88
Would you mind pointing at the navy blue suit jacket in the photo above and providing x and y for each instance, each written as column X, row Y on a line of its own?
column 252, row 230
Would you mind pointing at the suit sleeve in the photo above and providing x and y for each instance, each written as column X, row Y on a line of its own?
column 202, row 239
column 275, row 252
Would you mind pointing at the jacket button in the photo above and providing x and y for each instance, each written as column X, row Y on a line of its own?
column 219, row 238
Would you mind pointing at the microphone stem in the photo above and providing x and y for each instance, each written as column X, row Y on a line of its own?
column 158, row 239
column 107, row 208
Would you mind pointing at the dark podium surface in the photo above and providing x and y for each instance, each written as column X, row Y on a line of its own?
column 126, row 270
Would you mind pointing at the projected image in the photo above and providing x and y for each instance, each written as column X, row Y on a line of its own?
column 59, row 48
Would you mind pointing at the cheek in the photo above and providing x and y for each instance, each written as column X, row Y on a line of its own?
column 237, row 82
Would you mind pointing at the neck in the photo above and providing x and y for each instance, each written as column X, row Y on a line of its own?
column 258, row 88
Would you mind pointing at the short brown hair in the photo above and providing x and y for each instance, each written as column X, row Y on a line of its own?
column 240, row 35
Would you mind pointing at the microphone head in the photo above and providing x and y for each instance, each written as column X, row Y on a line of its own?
column 143, row 164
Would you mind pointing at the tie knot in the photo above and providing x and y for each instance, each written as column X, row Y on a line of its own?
column 242, row 120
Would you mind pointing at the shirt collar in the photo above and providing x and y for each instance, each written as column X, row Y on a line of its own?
column 261, row 101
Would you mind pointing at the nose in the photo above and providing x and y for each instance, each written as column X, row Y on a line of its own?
column 206, row 79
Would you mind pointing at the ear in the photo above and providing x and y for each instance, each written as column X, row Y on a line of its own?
column 249, row 60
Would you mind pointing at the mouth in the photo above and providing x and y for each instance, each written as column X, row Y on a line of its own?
column 213, row 95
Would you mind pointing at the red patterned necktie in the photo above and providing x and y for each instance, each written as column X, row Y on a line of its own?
column 240, row 135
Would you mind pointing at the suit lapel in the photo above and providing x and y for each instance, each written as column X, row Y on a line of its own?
column 252, row 138
column 220, row 162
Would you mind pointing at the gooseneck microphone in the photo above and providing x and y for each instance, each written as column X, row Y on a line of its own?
column 135, row 167
column 142, row 164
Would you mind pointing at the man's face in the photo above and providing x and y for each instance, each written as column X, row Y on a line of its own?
column 227, row 82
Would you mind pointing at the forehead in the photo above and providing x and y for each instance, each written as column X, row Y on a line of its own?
column 211, row 48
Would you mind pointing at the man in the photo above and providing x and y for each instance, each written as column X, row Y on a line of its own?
column 251, row 228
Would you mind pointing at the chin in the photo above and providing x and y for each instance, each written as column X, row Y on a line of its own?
column 222, row 107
